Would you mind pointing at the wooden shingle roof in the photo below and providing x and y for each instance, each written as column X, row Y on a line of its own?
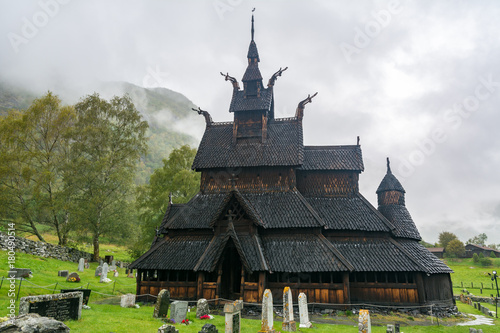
column 284, row 147
column 241, row 103
column 401, row 219
column 332, row 158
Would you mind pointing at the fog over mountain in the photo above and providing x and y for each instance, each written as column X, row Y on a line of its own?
column 419, row 82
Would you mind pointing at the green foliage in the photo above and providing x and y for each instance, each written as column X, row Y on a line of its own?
column 475, row 258
column 425, row 244
column 478, row 240
column 481, row 255
column 445, row 237
column 486, row 262
column 108, row 139
column 455, row 249
column 492, row 255
column 174, row 177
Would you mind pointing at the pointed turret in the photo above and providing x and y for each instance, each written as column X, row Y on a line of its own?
column 252, row 79
column 391, row 203
column 390, row 190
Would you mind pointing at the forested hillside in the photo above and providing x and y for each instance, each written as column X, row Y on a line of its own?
column 162, row 108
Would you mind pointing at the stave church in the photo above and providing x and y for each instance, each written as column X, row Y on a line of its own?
column 272, row 212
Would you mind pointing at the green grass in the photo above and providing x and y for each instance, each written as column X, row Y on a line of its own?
column 469, row 272
column 106, row 318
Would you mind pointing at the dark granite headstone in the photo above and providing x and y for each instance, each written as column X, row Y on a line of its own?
column 67, row 306
column 63, row 273
column 86, row 294
column 162, row 304
column 108, row 259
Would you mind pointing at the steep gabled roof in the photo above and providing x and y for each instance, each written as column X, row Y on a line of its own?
column 332, row 158
column 283, row 147
column 241, row 103
column 354, row 213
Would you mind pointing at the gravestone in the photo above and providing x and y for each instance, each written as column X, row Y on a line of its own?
column 288, row 322
column 104, row 274
column 112, row 267
column 396, row 328
column 108, row 259
column 115, row 274
column 81, row 264
column 86, row 294
column 390, row 329
column 364, row 324
column 202, row 308
column 33, row 322
column 168, row 329
column 63, row 273
column 178, row 311
column 472, row 330
column 232, row 313
column 304, row 312
column 19, row 273
column 209, row 328
column 66, row 306
column 73, row 277
column 162, row 304
column 267, row 322
column 101, row 262
column 127, row 301
column 98, row 271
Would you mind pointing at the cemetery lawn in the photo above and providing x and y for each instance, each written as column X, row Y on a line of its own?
column 106, row 316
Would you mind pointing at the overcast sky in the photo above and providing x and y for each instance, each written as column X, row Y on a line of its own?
column 418, row 81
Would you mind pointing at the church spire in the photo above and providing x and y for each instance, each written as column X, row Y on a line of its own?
column 252, row 23
column 252, row 79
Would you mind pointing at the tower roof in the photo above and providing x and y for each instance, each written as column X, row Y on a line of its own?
column 390, row 182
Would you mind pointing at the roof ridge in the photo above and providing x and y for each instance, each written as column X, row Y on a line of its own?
column 408, row 254
column 388, row 223
column 309, row 207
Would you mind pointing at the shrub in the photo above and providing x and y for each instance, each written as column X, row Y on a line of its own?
column 486, row 261
column 481, row 255
column 475, row 258
column 492, row 255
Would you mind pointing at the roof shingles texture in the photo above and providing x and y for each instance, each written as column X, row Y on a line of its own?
column 423, row 256
column 332, row 158
column 348, row 214
column 283, row 147
column 307, row 253
column 401, row 218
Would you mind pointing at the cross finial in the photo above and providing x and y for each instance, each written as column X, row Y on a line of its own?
column 388, row 166
column 157, row 231
column 170, row 198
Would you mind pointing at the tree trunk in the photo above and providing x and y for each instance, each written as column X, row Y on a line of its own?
column 96, row 246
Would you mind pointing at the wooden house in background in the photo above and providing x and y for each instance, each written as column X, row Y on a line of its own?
column 272, row 212
column 470, row 249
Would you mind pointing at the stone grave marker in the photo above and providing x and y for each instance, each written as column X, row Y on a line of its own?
column 232, row 313
column 168, row 329
column 73, row 277
column 81, row 264
column 178, row 311
column 162, row 304
column 67, row 306
column 115, row 274
column 85, row 292
column 202, row 308
column 209, row 328
column 390, row 328
column 98, row 271
column 112, row 267
column 267, row 323
column 63, row 273
column 127, row 301
column 364, row 324
column 288, row 322
column 396, row 328
column 19, row 272
column 101, row 262
column 104, row 274
column 108, row 259
column 304, row 312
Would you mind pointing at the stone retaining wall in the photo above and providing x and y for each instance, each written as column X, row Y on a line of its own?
column 44, row 249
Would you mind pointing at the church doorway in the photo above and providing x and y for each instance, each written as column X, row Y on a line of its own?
column 231, row 273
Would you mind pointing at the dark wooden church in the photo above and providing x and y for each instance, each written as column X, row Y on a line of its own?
column 272, row 212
